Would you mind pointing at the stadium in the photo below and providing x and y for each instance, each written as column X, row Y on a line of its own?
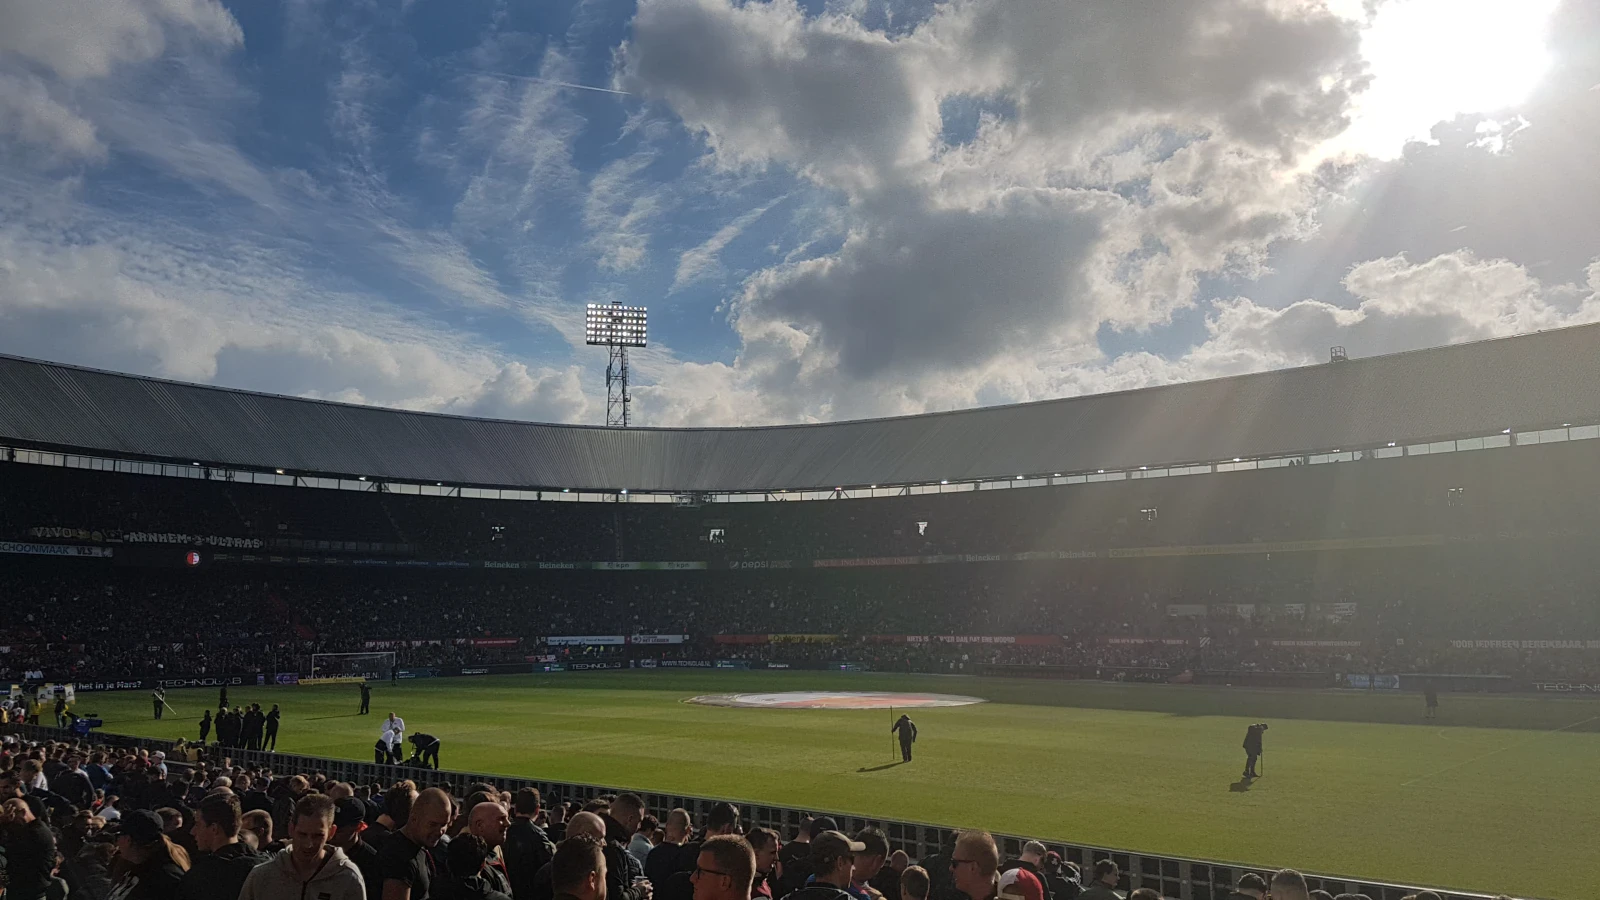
column 1081, row 603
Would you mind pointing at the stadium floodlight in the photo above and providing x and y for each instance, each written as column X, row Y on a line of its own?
column 617, row 328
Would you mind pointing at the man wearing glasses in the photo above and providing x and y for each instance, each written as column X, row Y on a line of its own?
column 974, row 865
column 834, row 862
column 724, row 869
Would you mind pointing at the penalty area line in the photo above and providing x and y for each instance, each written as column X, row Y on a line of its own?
column 1522, row 743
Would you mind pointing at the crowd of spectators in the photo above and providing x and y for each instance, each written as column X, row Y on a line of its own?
column 82, row 822
column 1391, row 610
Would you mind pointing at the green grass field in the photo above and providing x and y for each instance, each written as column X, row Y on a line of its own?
column 1499, row 794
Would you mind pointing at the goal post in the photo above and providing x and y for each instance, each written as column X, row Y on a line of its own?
column 375, row 665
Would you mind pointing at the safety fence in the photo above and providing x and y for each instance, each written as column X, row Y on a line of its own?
column 1174, row 877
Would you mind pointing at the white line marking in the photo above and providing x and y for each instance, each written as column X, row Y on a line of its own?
column 1501, row 750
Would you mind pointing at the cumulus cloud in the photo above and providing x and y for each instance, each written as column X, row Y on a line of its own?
column 1134, row 152
column 50, row 131
column 81, row 39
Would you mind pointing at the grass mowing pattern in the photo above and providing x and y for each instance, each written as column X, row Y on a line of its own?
column 1498, row 795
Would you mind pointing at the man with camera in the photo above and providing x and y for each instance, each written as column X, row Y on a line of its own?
column 1252, row 748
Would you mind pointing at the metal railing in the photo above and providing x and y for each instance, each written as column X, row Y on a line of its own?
column 1173, row 876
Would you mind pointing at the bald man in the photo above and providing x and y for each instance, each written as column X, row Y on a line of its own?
column 584, row 824
column 975, row 865
column 489, row 821
column 403, row 859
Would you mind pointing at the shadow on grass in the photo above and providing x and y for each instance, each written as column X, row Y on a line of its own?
column 881, row 768
column 1242, row 785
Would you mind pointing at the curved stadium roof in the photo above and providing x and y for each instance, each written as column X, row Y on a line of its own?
column 1531, row 381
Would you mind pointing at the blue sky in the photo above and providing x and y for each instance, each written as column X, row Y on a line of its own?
column 832, row 209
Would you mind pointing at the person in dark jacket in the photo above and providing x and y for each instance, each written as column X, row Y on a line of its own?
column 270, row 734
column 1030, row 860
column 464, row 860
column 527, row 847
column 30, row 851
column 349, row 821
column 1252, row 748
column 222, row 862
column 833, row 865
column 662, row 860
column 205, row 727
column 150, row 865
column 366, row 699
column 74, row 784
column 425, row 749
column 222, row 697
column 1061, row 877
column 906, row 731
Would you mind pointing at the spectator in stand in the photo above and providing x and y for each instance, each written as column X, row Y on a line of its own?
column 622, row 821
column 1321, row 895
column 310, row 867
column 578, row 869
column 222, row 862
column 467, row 861
column 349, row 821
column 832, row 866
column 256, row 828
column 975, row 865
column 1106, row 876
column 527, row 848
column 1023, row 875
column 1061, row 877
column 1145, row 894
column 1287, row 884
column 764, row 844
column 288, row 795
column 404, row 859
column 1251, row 887
column 489, row 822
column 724, row 869
column 914, row 883
column 397, row 803
column 663, row 858
column 150, row 866
column 723, row 818
column 74, row 784
column 30, row 851
column 641, row 844
column 868, row 863
column 173, row 825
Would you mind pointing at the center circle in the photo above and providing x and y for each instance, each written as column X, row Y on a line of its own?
column 835, row 700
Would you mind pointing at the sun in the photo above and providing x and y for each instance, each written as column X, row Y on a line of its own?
column 1432, row 60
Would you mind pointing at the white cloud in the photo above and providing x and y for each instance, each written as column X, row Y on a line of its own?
column 1145, row 147
column 699, row 262
column 78, row 286
column 31, row 116
column 81, row 39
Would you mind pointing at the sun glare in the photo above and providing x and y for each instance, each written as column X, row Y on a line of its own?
column 1432, row 60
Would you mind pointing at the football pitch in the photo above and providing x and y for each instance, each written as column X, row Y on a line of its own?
column 1498, row 794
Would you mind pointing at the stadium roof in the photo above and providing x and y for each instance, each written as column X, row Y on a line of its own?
column 1531, row 381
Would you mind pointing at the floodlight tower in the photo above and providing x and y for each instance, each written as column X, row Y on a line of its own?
column 616, row 327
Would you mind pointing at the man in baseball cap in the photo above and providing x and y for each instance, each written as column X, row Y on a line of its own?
column 833, row 864
column 349, row 820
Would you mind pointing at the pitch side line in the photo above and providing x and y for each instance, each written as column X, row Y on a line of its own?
column 1501, row 750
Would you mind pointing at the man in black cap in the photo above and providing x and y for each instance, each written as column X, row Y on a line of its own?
column 833, row 867
column 906, row 730
column 795, row 857
column 349, row 820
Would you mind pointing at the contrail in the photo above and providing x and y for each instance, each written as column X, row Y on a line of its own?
column 549, row 81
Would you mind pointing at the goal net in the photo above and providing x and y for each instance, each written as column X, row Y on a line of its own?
column 373, row 666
